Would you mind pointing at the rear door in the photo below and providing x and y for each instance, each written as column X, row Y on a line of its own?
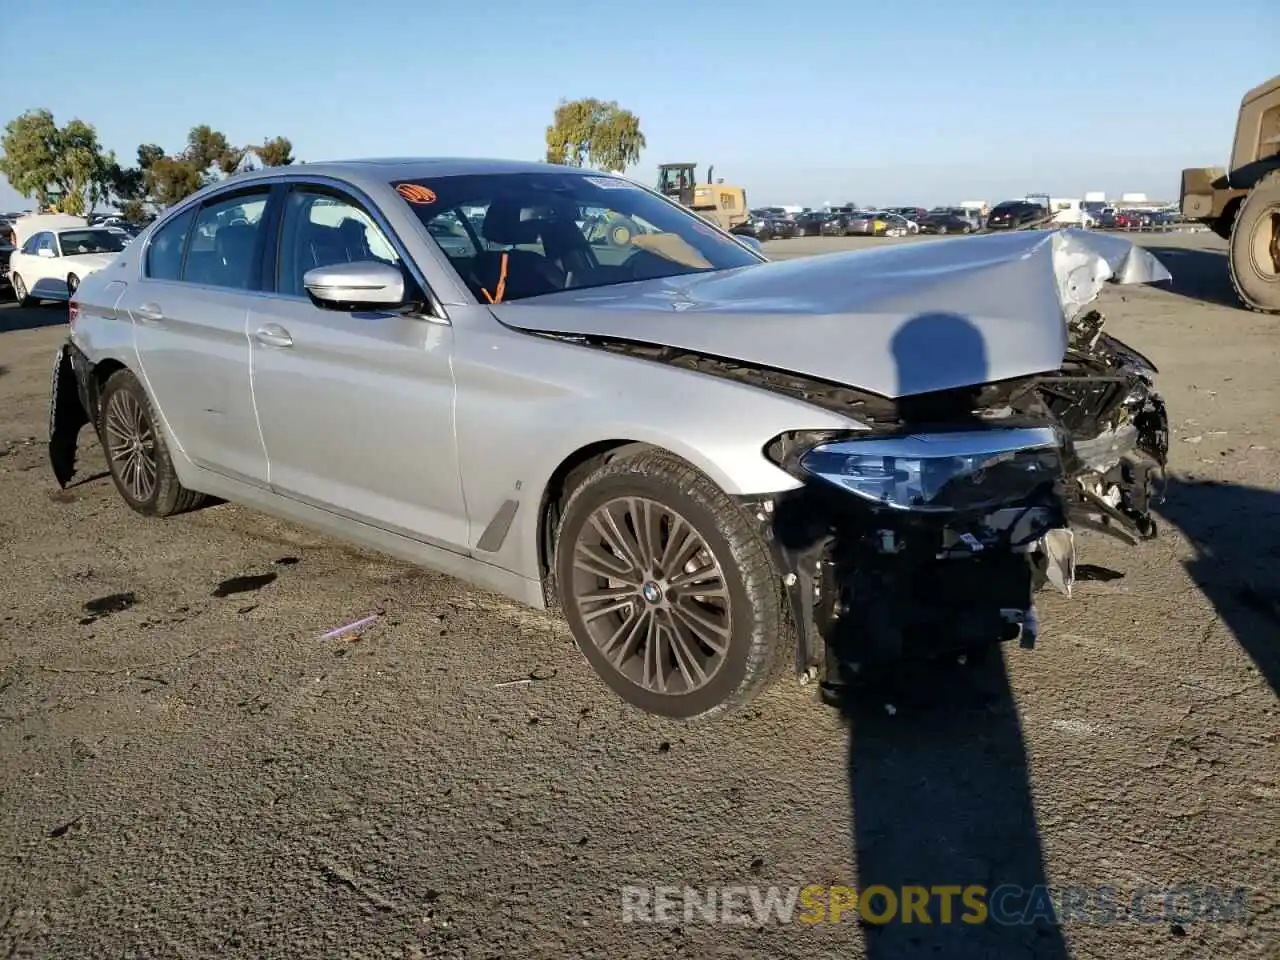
column 356, row 409
column 201, row 271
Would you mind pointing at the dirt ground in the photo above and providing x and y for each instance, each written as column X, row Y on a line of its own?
column 187, row 771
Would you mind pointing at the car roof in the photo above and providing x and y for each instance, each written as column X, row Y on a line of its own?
column 26, row 227
column 390, row 169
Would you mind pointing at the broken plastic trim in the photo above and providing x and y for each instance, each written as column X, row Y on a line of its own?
column 868, row 585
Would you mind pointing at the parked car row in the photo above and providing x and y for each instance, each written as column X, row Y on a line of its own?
column 773, row 224
column 767, row 225
column 1141, row 220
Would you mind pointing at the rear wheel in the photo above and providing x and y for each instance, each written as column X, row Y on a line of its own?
column 137, row 455
column 20, row 292
column 1255, row 247
column 668, row 589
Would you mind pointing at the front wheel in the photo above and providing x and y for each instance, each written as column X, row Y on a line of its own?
column 20, row 292
column 73, row 282
column 669, row 590
column 137, row 455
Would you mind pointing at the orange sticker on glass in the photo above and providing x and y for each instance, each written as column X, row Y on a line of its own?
column 415, row 193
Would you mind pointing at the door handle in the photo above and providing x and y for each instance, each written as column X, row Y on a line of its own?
column 149, row 312
column 273, row 335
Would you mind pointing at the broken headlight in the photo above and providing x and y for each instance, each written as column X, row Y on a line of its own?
column 940, row 471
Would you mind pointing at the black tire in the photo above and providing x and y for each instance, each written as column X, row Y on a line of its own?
column 1255, row 247
column 758, row 630
column 73, row 282
column 966, row 229
column 122, row 395
column 942, row 228
column 621, row 232
column 20, row 292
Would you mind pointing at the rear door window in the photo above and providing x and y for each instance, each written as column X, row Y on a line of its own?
column 164, row 252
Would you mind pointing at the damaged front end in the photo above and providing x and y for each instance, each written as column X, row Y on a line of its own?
column 1105, row 398
column 917, row 542
column 931, row 531
column 997, row 418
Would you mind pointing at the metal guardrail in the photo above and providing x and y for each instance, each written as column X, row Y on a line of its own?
column 1174, row 227
column 1046, row 223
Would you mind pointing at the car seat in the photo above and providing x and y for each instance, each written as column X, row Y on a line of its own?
column 523, row 273
column 234, row 246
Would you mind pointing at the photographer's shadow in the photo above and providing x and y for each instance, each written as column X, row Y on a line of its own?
column 1236, row 533
column 938, row 776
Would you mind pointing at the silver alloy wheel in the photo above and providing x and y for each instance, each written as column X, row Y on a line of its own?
column 19, row 288
column 652, row 595
column 73, row 283
column 131, row 444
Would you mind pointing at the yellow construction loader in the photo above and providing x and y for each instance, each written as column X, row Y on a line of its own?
column 1241, row 203
column 723, row 205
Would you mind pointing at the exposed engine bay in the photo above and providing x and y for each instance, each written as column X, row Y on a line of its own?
column 870, row 584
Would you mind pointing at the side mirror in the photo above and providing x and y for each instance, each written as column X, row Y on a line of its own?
column 44, row 252
column 750, row 241
column 355, row 286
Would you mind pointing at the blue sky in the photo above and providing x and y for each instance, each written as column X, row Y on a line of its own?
column 874, row 101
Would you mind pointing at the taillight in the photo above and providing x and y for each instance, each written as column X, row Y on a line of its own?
column 73, row 311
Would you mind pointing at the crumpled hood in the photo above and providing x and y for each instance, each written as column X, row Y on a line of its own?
column 901, row 320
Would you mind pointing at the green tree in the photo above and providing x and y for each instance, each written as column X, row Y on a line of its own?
column 68, row 165
column 148, row 153
column 170, row 179
column 208, row 155
column 135, row 211
column 128, row 189
column 594, row 132
column 209, row 149
column 42, row 160
column 275, row 152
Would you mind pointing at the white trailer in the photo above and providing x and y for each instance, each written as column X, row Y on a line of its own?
column 1067, row 211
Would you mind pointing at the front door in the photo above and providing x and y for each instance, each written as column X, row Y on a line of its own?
column 356, row 409
column 189, row 310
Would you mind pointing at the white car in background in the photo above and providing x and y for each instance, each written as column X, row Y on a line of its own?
column 54, row 253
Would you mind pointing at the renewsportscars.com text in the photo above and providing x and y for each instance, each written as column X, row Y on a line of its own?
column 939, row 904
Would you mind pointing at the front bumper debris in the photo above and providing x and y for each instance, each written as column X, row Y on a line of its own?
column 868, row 586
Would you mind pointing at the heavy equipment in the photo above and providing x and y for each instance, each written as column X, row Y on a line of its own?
column 723, row 205
column 1241, row 203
